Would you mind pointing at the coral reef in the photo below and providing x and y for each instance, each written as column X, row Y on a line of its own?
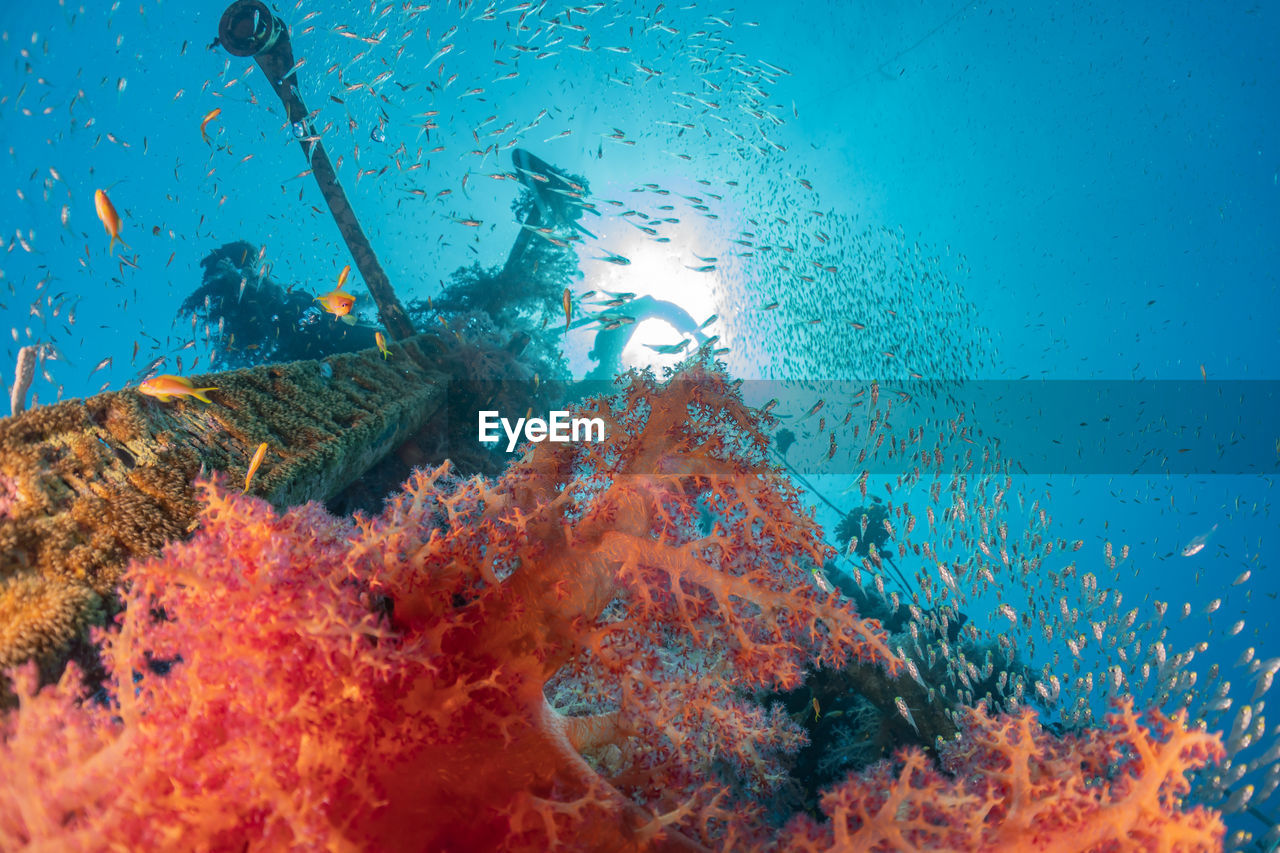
column 562, row 657
column 855, row 742
column 40, row 615
column 87, row 485
column 77, row 502
column 496, row 307
column 254, row 320
column 297, row 712
column 1007, row 784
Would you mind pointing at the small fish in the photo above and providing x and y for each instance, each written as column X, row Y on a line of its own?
column 208, row 117
column 817, row 712
column 567, row 301
column 669, row 349
column 381, row 340
column 166, row 386
column 1196, row 545
column 106, row 362
column 905, row 712
column 338, row 303
column 253, row 465
column 707, row 268
column 439, row 53
column 611, row 258
column 110, row 219
column 342, row 276
column 709, row 321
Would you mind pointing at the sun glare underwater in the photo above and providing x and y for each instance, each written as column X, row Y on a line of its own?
column 924, row 357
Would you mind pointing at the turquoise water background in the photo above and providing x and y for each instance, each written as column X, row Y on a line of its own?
column 1100, row 181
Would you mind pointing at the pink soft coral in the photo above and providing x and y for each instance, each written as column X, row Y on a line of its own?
column 381, row 684
column 1009, row 785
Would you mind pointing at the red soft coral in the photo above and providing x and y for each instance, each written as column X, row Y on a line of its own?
column 382, row 684
column 1010, row 785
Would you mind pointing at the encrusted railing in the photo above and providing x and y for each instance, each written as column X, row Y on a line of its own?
column 88, row 485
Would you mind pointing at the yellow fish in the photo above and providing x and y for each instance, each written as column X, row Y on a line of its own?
column 253, row 465
column 381, row 340
column 166, row 386
column 110, row 219
column 567, row 301
column 338, row 303
column 342, row 276
column 209, row 116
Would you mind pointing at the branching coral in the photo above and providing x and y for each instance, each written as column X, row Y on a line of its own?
column 296, row 713
column 560, row 658
column 1007, row 784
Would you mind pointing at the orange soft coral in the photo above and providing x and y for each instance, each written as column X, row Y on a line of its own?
column 384, row 684
column 1010, row 785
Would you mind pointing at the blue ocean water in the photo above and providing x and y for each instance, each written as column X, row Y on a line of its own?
column 1093, row 190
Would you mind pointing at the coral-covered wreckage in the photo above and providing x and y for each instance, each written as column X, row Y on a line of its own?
column 570, row 655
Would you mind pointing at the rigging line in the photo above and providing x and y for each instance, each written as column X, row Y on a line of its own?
column 960, row 10
column 884, row 557
column 880, row 69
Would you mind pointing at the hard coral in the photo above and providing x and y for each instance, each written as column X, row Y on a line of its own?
column 40, row 616
column 384, row 684
column 1007, row 784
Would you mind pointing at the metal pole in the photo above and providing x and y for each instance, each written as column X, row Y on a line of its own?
column 248, row 28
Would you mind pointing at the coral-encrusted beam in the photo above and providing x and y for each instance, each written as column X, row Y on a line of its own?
column 86, row 485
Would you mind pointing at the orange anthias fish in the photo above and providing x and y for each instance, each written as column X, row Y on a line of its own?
column 381, row 340
column 567, row 300
column 166, row 386
column 253, row 465
column 342, row 276
column 209, row 116
column 110, row 219
column 338, row 303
